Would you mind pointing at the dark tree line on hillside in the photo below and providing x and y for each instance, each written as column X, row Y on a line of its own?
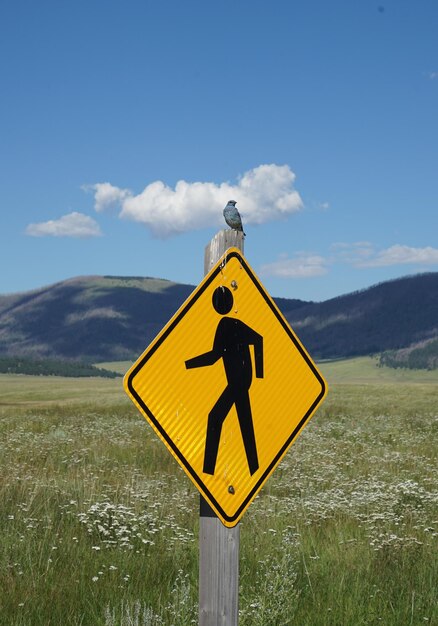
column 424, row 357
column 51, row 367
column 389, row 316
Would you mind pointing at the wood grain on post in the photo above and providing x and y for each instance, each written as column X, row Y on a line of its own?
column 218, row 545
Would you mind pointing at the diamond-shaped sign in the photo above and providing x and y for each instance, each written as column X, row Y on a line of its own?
column 227, row 386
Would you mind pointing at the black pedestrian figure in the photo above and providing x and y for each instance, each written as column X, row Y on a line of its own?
column 231, row 343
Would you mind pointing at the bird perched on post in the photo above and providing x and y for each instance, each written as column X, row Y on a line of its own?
column 232, row 216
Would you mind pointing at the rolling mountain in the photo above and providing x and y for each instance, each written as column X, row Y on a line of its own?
column 108, row 318
column 93, row 318
column 389, row 316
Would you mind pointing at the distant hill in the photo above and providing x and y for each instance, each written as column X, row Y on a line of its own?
column 92, row 317
column 389, row 316
column 109, row 318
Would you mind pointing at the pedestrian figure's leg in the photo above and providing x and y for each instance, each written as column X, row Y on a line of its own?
column 243, row 407
column 216, row 418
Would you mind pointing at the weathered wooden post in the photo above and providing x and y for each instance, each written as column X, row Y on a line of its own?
column 218, row 545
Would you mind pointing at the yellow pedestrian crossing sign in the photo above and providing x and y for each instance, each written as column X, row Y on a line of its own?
column 227, row 386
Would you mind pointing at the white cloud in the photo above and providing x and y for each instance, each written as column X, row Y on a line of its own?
column 71, row 225
column 263, row 194
column 401, row 255
column 107, row 196
column 302, row 266
column 363, row 255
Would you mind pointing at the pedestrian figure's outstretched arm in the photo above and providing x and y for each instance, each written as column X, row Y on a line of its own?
column 208, row 358
column 258, row 353
column 253, row 338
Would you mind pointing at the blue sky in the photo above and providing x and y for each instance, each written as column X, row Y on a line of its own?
column 126, row 126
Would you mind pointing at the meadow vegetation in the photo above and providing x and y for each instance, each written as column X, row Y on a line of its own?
column 99, row 525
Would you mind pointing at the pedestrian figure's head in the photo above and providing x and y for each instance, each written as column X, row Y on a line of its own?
column 222, row 300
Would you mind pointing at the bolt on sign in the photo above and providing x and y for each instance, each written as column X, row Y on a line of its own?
column 227, row 386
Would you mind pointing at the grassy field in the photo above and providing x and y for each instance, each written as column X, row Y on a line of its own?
column 99, row 525
column 366, row 370
column 358, row 370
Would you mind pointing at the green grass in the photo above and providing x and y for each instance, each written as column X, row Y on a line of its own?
column 99, row 525
column 366, row 370
column 18, row 390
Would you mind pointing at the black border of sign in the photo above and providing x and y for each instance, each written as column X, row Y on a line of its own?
column 149, row 352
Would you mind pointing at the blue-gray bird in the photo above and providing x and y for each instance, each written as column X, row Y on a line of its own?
column 232, row 216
